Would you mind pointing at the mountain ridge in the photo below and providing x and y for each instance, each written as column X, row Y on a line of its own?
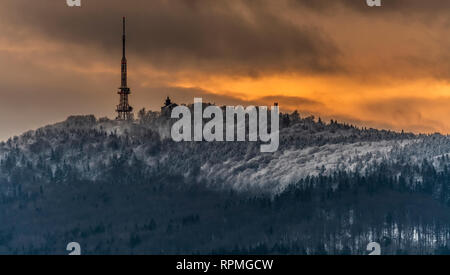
column 121, row 187
column 306, row 145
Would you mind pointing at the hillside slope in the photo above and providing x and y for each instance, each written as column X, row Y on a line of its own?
column 121, row 187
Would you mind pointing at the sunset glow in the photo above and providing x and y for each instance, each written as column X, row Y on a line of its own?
column 386, row 68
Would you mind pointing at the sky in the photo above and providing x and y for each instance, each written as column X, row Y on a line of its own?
column 383, row 67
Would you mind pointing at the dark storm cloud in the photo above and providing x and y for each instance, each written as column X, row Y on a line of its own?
column 407, row 7
column 239, row 37
column 232, row 37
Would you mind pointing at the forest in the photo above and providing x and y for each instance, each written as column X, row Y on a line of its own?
column 127, row 188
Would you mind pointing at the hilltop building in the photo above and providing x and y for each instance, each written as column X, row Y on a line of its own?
column 166, row 110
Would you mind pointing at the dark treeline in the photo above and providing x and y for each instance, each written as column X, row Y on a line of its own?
column 335, row 214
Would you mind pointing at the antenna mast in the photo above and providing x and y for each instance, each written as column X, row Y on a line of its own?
column 124, row 110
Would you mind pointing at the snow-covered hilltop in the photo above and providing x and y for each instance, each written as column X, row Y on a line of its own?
column 86, row 148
